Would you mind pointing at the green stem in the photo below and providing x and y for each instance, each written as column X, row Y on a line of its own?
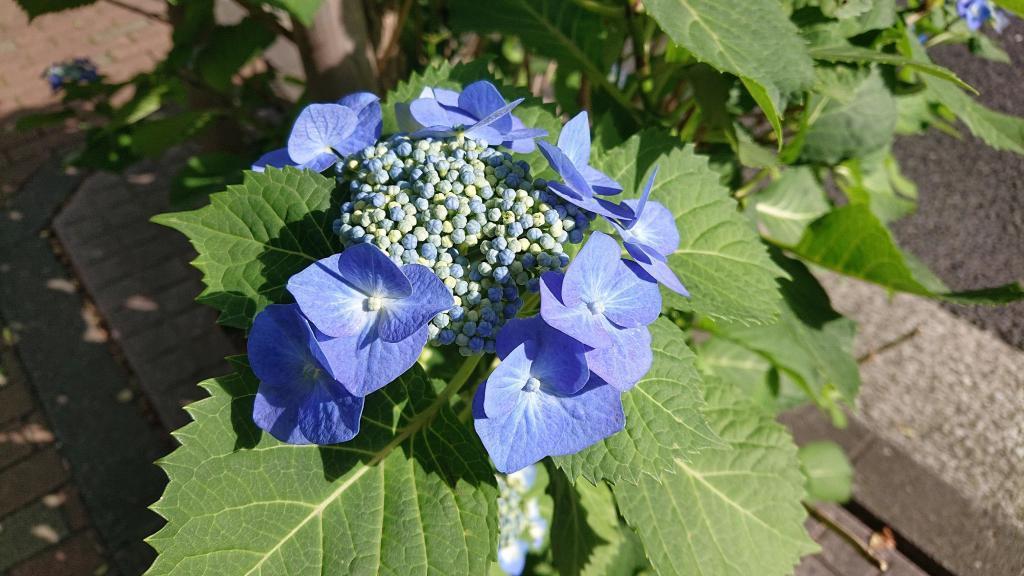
column 459, row 379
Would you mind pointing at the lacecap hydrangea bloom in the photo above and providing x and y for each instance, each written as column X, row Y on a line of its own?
column 446, row 234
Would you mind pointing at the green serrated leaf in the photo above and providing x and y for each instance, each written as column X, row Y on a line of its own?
column 720, row 258
column 254, row 236
column 731, row 36
column 734, row 511
column 785, row 207
column 857, row 115
column 851, row 53
column 663, row 418
column 412, row 494
column 828, row 472
column 852, row 241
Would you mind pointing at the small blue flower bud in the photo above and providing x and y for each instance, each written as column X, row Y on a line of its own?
column 469, row 328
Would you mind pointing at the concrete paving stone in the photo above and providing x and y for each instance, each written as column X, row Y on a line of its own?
column 813, row 566
column 952, row 395
column 808, row 424
column 77, row 556
column 29, row 531
column 69, row 501
column 31, row 478
column 21, row 437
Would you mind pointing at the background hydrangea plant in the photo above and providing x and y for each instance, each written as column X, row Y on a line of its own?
column 459, row 278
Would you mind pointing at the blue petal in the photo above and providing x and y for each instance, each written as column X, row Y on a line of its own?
column 319, row 129
column 277, row 158
column 498, row 122
column 574, row 140
column 578, row 322
column 369, row 270
column 506, row 383
column 481, row 99
column 321, row 162
column 632, row 300
column 655, row 227
column 543, row 424
column 595, row 269
column 563, row 165
column 333, row 305
column 656, row 267
column 600, row 206
column 297, row 401
column 638, row 205
column 369, row 125
column 624, row 362
column 429, row 113
column 600, row 182
column 364, row 363
column 599, row 277
column 446, row 97
column 403, row 316
column 557, row 359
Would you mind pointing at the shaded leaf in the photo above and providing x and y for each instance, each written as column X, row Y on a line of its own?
column 828, row 472
column 856, row 114
column 785, row 207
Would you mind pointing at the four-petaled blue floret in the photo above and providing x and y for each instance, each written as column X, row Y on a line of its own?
column 445, row 234
column 976, row 12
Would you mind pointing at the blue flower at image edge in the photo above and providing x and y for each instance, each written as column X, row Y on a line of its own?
column 479, row 111
column 542, row 400
column 372, row 314
column 976, row 12
column 325, row 133
column 299, row 401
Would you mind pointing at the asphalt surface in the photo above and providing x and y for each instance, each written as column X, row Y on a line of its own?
column 969, row 226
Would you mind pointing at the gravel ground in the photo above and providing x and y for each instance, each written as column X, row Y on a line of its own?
column 969, row 227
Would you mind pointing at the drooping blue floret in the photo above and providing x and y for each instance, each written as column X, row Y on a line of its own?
column 299, row 401
column 650, row 237
column 976, row 12
column 542, row 400
column 324, row 133
column 479, row 111
column 598, row 295
column 373, row 313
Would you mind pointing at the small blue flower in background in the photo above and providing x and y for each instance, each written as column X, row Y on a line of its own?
column 479, row 111
column 571, row 160
column 650, row 237
column 521, row 527
column 77, row 71
column 325, row 133
column 976, row 12
column 372, row 314
column 541, row 400
column 299, row 401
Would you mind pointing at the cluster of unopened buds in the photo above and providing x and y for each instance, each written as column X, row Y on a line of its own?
column 445, row 235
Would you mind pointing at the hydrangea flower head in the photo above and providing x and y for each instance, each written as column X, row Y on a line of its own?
column 479, row 111
column 324, row 133
column 299, row 401
column 470, row 212
column 533, row 404
column 571, row 160
column 77, row 71
column 650, row 236
column 372, row 313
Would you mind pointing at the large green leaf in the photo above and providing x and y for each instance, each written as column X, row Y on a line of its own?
column 785, row 207
column 254, row 236
column 753, row 40
column 228, row 49
column 852, row 241
column 855, row 114
column 734, row 511
column 412, row 494
column 720, row 257
column 811, row 343
column 663, row 418
column 560, row 29
column 998, row 130
column 587, row 537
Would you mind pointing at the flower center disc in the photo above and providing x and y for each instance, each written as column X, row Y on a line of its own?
column 373, row 303
column 532, row 384
column 595, row 307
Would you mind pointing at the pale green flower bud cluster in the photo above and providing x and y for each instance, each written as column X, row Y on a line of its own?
column 471, row 213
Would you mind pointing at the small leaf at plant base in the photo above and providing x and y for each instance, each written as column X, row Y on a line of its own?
column 39, row 7
column 255, row 235
column 413, row 489
column 785, row 207
column 828, row 472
